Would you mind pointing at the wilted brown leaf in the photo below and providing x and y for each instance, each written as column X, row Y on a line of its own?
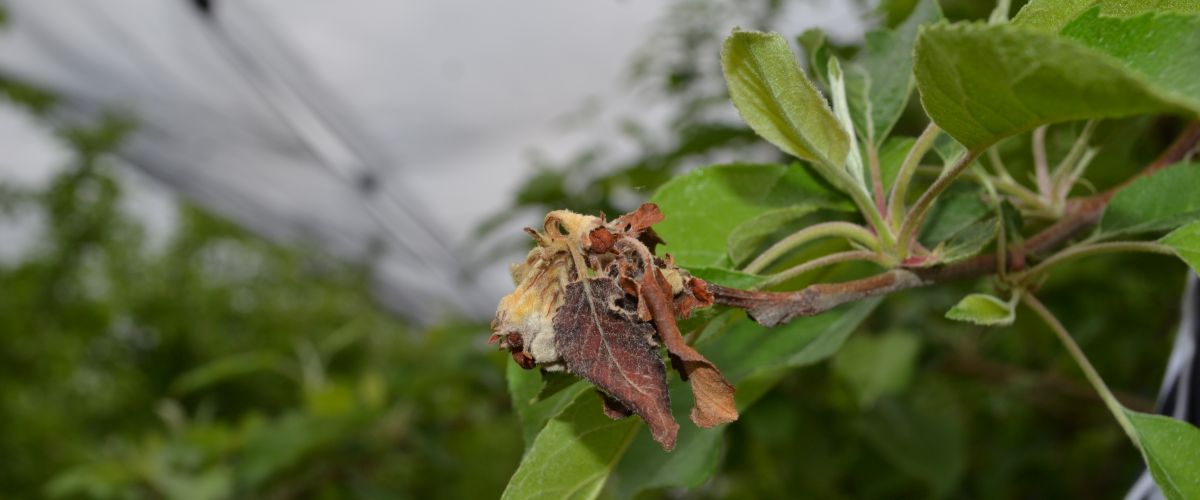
column 593, row 299
column 599, row 341
column 636, row 224
column 713, row 394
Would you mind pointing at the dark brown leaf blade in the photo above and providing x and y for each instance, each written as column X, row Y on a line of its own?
column 713, row 394
column 633, row 223
column 600, row 343
column 636, row 224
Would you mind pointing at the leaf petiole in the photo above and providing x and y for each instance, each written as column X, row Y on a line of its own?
column 852, row 232
column 1087, row 249
column 819, row 262
column 904, row 175
column 1089, row 371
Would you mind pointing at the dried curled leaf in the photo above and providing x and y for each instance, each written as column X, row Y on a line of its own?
column 713, row 394
column 592, row 299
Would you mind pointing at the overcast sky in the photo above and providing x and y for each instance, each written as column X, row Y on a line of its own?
column 453, row 94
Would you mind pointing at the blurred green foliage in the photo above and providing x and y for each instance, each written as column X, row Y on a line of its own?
column 218, row 365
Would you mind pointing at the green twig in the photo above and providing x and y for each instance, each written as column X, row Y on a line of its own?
column 912, row 221
column 1002, row 183
column 1040, row 165
column 998, row 164
column 1077, row 148
column 817, row 263
column 1089, row 371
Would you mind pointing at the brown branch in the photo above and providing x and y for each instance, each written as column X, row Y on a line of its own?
column 774, row 308
column 1178, row 150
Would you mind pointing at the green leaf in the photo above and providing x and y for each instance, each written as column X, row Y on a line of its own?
column 1171, row 449
column 554, row 383
column 982, row 309
column 1164, row 200
column 727, row 277
column 884, row 73
column 983, row 83
column 969, row 241
column 891, row 156
column 1186, row 243
column 748, row 238
column 925, row 444
column 524, row 386
column 1163, row 48
column 232, row 366
column 704, row 206
column 779, row 102
column 960, row 207
column 879, row 81
column 645, row 465
column 813, row 43
column 1013, row 222
column 573, row 456
column 751, row 357
column 1052, row 15
column 876, row 366
column 749, row 349
column 948, row 149
column 841, row 111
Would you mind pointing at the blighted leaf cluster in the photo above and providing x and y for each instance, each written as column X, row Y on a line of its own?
column 592, row 299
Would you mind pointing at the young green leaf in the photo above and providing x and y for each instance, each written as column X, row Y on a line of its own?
column 948, row 149
column 884, row 74
column 879, row 81
column 957, row 209
column 1171, row 449
column 813, row 43
column 1164, row 200
column 573, row 456
column 1052, row 15
column 1186, row 243
column 891, row 156
column 969, row 241
column 984, row 83
column 779, row 102
column 983, row 309
column 704, row 206
column 841, row 111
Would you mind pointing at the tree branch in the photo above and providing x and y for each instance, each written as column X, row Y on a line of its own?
column 774, row 308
